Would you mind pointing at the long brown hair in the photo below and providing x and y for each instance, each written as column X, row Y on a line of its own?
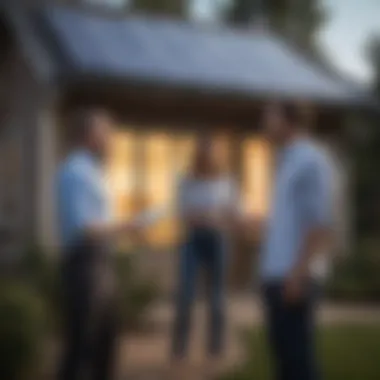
column 205, row 164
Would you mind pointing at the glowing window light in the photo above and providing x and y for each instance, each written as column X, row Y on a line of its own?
column 257, row 175
column 159, row 182
column 120, row 173
column 183, row 153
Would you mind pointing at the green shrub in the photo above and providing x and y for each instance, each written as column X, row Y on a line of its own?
column 356, row 278
column 30, row 309
column 136, row 294
column 40, row 271
column 22, row 327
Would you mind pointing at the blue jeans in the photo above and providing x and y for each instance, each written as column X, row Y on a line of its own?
column 203, row 249
column 291, row 332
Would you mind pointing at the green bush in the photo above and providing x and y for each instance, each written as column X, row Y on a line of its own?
column 136, row 293
column 22, row 327
column 40, row 271
column 30, row 309
column 356, row 278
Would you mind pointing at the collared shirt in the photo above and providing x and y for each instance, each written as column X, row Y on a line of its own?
column 302, row 200
column 81, row 195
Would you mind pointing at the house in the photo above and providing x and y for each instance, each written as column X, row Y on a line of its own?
column 167, row 81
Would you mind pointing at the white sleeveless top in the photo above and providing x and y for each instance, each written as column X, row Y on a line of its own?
column 206, row 196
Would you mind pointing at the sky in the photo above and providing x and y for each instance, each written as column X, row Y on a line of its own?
column 344, row 36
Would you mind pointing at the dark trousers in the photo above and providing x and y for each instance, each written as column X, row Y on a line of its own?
column 291, row 332
column 89, row 306
column 204, row 249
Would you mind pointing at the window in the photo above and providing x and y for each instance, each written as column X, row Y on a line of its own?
column 159, row 174
column 256, row 176
column 144, row 169
column 121, row 174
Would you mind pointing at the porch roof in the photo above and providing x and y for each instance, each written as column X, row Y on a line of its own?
column 173, row 54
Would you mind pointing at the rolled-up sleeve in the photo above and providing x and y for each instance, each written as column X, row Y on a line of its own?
column 76, row 209
column 319, row 197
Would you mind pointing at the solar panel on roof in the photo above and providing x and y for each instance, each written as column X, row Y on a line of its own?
column 182, row 54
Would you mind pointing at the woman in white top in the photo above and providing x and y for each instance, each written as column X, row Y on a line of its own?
column 207, row 203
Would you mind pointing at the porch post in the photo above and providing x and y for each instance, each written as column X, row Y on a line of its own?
column 32, row 114
column 47, row 161
column 239, row 251
column 25, row 97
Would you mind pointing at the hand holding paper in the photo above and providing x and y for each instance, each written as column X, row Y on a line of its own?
column 149, row 217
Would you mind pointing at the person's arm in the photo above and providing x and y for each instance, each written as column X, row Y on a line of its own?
column 83, row 217
column 317, row 204
column 108, row 230
column 234, row 214
column 316, row 240
column 242, row 222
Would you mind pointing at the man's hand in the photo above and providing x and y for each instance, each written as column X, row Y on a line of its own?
column 133, row 230
column 130, row 227
column 294, row 287
column 297, row 281
column 109, row 231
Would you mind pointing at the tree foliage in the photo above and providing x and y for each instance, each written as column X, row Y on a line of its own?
column 374, row 58
column 177, row 8
column 240, row 12
column 297, row 19
column 367, row 159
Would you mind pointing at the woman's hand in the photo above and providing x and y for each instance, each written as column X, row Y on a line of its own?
column 196, row 219
column 295, row 285
column 205, row 219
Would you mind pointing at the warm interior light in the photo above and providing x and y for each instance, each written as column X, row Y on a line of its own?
column 164, row 159
column 121, row 174
column 159, row 183
column 257, row 176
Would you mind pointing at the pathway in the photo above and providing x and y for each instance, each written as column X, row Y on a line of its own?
column 145, row 357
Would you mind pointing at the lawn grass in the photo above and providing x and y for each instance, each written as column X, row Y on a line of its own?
column 347, row 352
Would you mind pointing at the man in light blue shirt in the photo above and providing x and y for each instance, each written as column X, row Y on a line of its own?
column 82, row 196
column 83, row 202
column 296, row 236
column 87, row 233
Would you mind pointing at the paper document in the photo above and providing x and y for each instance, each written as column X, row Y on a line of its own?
column 149, row 217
